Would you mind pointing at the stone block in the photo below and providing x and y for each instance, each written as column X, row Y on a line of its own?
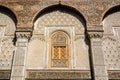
column 18, row 71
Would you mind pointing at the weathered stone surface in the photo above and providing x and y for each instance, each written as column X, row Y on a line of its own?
column 111, row 41
column 7, row 29
column 19, row 60
column 114, row 75
column 99, row 68
column 44, row 27
column 92, row 10
column 76, row 20
column 4, row 74
column 58, row 74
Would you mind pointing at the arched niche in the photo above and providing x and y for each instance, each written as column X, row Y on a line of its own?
column 60, row 50
column 110, row 19
column 8, row 19
column 58, row 18
column 8, row 23
column 111, row 11
column 111, row 38
column 61, row 7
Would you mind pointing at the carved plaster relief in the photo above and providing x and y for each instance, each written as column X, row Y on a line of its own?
column 55, row 21
column 7, row 29
column 111, row 40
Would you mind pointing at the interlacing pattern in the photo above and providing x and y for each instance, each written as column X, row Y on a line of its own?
column 59, row 50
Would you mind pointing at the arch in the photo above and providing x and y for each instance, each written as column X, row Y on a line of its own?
column 60, row 31
column 63, row 8
column 9, row 13
column 59, row 57
column 66, row 10
column 111, row 10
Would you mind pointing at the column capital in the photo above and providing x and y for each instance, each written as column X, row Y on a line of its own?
column 95, row 34
column 23, row 34
column 95, row 31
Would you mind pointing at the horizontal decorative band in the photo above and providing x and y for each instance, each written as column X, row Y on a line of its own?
column 114, row 75
column 58, row 74
column 4, row 74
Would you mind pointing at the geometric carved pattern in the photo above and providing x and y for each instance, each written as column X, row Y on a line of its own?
column 111, row 53
column 4, row 74
column 114, row 75
column 59, row 53
column 58, row 18
column 6, row 55
column 59, row 74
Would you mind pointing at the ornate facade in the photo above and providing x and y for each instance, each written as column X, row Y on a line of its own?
column 59, row 39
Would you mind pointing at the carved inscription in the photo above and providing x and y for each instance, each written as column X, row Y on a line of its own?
column 58, row 74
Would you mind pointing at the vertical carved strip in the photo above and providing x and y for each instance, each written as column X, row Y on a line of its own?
column 18, row 68
column 100, row 71
column 117, row 35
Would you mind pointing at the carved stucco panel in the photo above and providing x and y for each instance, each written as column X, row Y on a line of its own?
column 93, row 11
column 110, row 50
column 7, row 50
column 58, row 74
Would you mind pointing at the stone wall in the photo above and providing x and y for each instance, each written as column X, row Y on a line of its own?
column 7, row 30
column 111, row 25
column 93, row 11
column 39, row 56
column 101, row 56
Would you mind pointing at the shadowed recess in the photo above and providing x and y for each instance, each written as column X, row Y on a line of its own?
column 9, row 13
column 111, row 11
column 65, row 9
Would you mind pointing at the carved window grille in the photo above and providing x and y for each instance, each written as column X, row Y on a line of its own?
column 59, row 49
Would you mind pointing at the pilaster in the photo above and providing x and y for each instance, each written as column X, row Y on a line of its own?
column 95, row 34
column 19, row 61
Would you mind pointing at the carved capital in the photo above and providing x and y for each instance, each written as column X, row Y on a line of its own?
column 95, row 31
column 23, row 34
column 95, row 34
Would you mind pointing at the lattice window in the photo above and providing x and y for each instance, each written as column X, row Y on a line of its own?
column 59, row 49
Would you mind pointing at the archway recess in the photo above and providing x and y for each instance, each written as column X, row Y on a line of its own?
column 59, row 18
column 9, row 13
column 111, row 40
column 8, row 22
column 62, row 8
column 111, row 10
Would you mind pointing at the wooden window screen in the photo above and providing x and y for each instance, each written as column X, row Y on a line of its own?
column 59, row 50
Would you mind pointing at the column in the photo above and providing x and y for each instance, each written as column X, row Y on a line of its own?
column 95, row 34
column 19, row 60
